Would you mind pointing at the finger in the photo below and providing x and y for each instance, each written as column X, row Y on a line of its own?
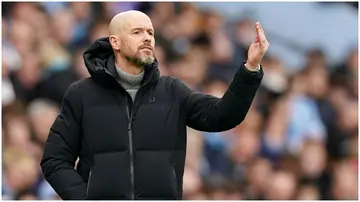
column 261, row 29
column 258, row 28
column 263, row 42
column 256, row 39
column 260, row 37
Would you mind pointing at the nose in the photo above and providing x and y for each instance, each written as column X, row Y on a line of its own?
column 147, row 37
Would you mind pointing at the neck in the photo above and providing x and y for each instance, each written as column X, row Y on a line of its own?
column 127, row 66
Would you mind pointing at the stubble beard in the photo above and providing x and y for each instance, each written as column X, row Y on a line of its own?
column 140, row 61
column 136, row 58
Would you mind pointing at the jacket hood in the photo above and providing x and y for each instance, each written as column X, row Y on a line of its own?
column 99, row 60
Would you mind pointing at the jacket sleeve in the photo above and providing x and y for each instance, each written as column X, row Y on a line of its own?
column 62, row 149
column 211, row 114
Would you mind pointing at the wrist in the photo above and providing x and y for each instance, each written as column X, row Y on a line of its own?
column 252, row 67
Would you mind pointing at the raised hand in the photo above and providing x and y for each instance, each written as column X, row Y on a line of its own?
column 257, row 49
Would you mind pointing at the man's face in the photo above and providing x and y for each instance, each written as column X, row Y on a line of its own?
column 137, row 43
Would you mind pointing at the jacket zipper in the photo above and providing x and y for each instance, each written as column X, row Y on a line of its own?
column 131, row 151
column 130, row 119
column 175, row 178
column 88, row 184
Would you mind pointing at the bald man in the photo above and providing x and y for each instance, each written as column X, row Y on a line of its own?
column 127, row 124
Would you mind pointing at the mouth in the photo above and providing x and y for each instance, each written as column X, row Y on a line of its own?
column 146, row 48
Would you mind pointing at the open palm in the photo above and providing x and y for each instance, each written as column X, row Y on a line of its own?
column 258, row 48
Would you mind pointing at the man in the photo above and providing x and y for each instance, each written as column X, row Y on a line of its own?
column 127, row 124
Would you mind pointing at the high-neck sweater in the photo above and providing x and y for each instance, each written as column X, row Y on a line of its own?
column 130, row 82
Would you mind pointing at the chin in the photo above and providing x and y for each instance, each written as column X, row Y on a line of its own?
column 147, row 60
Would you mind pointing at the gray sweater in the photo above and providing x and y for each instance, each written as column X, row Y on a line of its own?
column 130, row 82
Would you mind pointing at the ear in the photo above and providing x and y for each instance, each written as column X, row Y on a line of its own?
column 115, row 42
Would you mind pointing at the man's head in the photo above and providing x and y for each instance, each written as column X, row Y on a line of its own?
column 132, row 37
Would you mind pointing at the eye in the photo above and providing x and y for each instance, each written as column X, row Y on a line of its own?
column 136, row 32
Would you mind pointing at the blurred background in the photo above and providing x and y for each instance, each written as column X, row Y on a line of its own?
column 298, row 141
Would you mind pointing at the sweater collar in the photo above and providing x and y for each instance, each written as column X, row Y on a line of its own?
column 129, row 80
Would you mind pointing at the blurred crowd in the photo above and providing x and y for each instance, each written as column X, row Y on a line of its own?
column 298, row 141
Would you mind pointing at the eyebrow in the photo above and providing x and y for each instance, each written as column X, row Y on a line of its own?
column 141, row 29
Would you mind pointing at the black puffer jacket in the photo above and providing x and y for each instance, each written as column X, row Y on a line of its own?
column 133, row 150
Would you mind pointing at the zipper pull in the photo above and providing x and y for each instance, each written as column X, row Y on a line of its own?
column 129, row 125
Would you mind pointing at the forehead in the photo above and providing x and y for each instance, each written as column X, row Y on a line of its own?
column 140, row 23
column 141, row 26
